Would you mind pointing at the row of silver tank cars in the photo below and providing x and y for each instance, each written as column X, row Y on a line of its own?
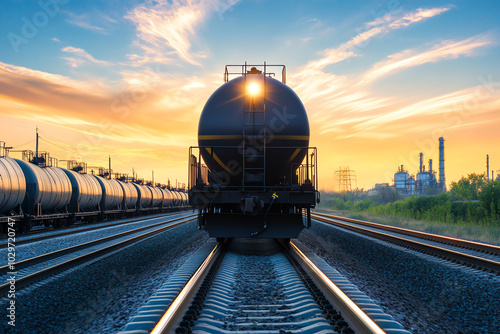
column 32, row 195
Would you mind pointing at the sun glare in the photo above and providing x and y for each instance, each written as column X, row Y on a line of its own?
column 253, row 89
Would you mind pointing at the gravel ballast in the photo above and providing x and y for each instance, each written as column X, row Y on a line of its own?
column 100, row 297
column 26, row 251
column 425, row 295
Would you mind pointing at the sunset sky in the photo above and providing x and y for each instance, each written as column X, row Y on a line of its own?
column 381, row 80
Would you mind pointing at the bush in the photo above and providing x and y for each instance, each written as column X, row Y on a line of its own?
column 445, row 207
column 489, row 198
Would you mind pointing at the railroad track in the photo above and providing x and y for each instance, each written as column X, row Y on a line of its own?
column 471, row 253
column 44, row 266
column 277, row 292
column 70, row 230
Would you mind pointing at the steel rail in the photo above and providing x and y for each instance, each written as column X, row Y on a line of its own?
column 461, row 258
column 172, row 317
column 352, row 314
column 64, row 251
column 47, row 272
column 71, row 230
column 474, row 245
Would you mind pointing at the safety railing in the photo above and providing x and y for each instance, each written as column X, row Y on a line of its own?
column 222, row 166
column 253, row 69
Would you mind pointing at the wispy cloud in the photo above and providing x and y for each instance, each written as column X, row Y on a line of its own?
column 165, row 26
column 445, row 50
column 331, row 98
column 81, row 57
column 373, row 28
column 83, row 21
column 408, row 18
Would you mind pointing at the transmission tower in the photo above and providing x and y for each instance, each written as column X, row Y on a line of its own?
column 345, row 177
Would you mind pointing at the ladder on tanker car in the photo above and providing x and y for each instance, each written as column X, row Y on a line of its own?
column 254, row 138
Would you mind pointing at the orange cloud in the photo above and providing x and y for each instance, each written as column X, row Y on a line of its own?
column 149, row 123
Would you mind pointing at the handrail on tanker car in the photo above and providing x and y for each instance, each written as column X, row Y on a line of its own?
column 200, row 170
column 244, row 71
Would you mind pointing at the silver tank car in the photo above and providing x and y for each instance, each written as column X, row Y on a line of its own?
column 87, row 192
column 145, row 195
column 12, row 185
column 157, row 196
column 47, row 189
column 176, row 198
column 112, row 193
column 184, row 198
column 167, row 198
column 131, row 195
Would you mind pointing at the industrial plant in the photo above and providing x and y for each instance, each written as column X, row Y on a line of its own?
column 425, row 182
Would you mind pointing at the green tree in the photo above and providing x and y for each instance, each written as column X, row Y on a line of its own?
column 468, row 188
column 388, row 194
column 490, row 199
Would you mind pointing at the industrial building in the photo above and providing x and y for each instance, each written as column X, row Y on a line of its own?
column 408, row 185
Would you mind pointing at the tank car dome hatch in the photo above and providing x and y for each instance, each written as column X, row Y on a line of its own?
column 224, row 119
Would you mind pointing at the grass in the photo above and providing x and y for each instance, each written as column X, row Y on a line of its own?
column 490, row 234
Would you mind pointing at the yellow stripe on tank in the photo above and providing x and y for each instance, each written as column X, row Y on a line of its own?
column 297, row 151
column 219, row 137
column 278, row 137
column 219, row 161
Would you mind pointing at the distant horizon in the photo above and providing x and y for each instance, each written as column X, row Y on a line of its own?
column 380, row 82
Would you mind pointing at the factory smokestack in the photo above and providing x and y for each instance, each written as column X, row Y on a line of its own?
column 421, row 162
column 442, row 183
column 488, row 168
column 430, row 166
